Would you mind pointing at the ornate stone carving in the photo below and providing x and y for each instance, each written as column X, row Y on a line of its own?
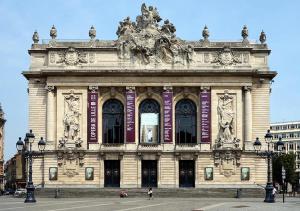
column 71, row 56
column 226, row 57
column 92, row 33
column 50, row 88
column 70, row 159
column 92, row 57
column 262, row 37
column 71, row 116
column 245, row 34
column 53, row 32
column 226, row 114
column 52, row 57
column 146, row 42
column 93, row 88
column 227, row 160
column 35, row 37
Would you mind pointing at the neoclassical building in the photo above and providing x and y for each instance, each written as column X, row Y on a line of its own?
column 148, row 109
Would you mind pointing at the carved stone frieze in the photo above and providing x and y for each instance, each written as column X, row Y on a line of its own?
column 226, row 57
column 145, row 42
column 72, row 57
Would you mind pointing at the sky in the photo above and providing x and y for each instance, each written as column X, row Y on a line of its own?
column 73, row 18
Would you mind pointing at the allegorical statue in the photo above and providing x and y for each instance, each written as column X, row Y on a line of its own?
column 71, row 117
column 226, row 117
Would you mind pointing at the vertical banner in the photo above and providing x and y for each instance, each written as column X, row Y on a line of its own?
column 168, row 108
column 205, row 106
column 130, row 115
column 92, row 117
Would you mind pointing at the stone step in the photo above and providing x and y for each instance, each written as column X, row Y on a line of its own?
column 158, row 192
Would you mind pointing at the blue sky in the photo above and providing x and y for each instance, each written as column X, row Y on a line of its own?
column 225, row 19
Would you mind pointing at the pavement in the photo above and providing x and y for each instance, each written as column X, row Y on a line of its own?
column 164, row 204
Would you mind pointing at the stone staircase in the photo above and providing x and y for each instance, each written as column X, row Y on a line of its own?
column 158, row 192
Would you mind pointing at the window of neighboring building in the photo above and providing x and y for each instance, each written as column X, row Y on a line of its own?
column 291, row 135
column 149, row 114
column 185, row 115
column 291, row 146
column 277, row 127
column 113, row 122
column 276, row 136
column 284, row 127
column 283, row 135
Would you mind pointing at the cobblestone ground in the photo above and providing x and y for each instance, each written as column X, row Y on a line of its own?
column 164, row 204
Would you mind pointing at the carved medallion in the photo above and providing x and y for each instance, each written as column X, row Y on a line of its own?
column 226, row 57
column 71, row 56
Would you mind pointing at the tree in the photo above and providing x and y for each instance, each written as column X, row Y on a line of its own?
column 288, row 162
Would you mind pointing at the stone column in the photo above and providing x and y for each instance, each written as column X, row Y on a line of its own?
column 248, row 118
column 51, row 118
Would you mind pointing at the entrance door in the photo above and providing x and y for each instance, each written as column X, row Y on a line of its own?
column 149, row 173
column 111, row 173
column 186, row 173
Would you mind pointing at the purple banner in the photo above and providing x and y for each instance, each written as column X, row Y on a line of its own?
column 168, row 107
column 92, row 117
column 130, row 116
column 205, row 106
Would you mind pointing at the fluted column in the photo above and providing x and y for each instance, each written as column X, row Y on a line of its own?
column 51, row 117
column 248, row 118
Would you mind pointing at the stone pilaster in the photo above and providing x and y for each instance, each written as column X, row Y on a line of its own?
column 248, row 118
column 51, row 118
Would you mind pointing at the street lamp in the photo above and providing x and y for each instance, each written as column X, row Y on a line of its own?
column 27, row 150
column 269, row 154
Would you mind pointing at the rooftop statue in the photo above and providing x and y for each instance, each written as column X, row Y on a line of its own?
column 145, row 41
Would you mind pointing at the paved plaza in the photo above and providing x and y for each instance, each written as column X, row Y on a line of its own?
column 165, row 204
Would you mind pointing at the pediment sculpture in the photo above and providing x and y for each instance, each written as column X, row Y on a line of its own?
column 145, row 41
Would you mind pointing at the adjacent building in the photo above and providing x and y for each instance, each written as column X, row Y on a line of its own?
column 148, row 109
column 2, row 123
column 290, row 134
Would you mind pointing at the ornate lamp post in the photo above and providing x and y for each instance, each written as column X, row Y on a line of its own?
column 27, row 150
column 269, row 154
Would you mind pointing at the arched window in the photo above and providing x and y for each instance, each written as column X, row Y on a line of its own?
column 149, row 114
column 186, row 122
column 113, row 122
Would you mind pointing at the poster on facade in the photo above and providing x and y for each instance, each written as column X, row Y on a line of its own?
column 92, row 117
column 130, row 116
column 149, row 128
column 205, row 106
column 167, row 98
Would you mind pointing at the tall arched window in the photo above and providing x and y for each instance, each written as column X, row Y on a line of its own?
column 149, row 114
column 186, row 122
column 113, row 122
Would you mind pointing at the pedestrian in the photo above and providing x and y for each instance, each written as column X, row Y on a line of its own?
column 274, row 191
column 150, row 193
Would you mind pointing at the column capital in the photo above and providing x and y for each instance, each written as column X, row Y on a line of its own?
column 93, row 88
column 204, row 88
column 247, row 88
column 168, row 88
column 50, row 88
column 130, row 88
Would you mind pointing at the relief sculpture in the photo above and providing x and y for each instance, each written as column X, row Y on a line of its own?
column 226, row 116
column 71, row 117
column 146, row 42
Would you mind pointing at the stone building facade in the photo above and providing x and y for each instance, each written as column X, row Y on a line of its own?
column 2, row 123
column 148, row 109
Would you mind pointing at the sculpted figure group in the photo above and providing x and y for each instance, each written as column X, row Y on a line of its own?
column 146, row 42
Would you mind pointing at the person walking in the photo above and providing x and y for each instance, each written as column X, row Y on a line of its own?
column 150, row 193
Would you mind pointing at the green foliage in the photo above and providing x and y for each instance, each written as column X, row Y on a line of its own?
column 288, row 162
